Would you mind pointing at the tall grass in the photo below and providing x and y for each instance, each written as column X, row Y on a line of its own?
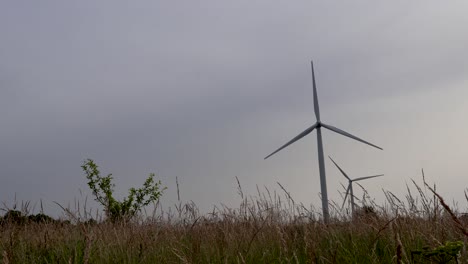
column 268, row 228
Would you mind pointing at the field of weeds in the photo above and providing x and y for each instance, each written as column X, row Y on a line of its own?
column 268, row 228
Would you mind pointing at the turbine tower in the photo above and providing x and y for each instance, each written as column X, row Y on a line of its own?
column 350, row 185
column 318, row 125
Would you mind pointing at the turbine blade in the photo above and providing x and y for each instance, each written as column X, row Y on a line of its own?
column 344, row 173
column 344, row 133
column 368, row 177
column 346, row 196
column 316, row 104
column 301, row 135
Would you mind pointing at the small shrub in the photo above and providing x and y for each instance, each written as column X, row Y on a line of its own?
column 442, row 254
column 115, row 210
column 90, row 222
column 41, row 218
column 15, row 217
column 366, row 213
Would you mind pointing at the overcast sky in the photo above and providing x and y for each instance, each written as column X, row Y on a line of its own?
column 204, row 90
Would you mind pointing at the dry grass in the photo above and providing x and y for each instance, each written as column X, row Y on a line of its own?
column 269, row 228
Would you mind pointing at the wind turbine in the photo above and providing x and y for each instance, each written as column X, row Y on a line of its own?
column 318, row 125
column 350, row 185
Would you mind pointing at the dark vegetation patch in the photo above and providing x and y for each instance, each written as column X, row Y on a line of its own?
column 268, row 228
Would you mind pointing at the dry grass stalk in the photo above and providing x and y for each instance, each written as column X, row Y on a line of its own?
column 5, row 259
column 87, row 249
column 455, row 219
column 399, row 254
column 263, row 229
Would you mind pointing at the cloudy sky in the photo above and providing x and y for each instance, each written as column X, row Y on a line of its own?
column 204, row 90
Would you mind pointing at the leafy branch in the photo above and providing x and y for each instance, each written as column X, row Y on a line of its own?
column 103, row 191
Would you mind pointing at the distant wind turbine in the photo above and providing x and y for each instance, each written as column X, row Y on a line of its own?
column 350, row 185
column 318, row 125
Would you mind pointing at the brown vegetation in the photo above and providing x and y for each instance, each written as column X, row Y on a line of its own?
column 267, row 229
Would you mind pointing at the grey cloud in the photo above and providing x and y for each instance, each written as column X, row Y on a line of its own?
column 204, row 90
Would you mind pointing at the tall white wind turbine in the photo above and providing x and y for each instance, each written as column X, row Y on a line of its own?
column 318, row 125
column 350, row 185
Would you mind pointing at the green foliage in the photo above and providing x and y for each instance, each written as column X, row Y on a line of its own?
column 17, row 217
column 441, row 254
column 40, row 218
column 261, row 230
column 14, row 216
column 103, row 190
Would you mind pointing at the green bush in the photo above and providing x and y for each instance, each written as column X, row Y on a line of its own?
column 18, row 218
column 15, row 217
column 103, row 191
column 442, row 254
column 40, row 218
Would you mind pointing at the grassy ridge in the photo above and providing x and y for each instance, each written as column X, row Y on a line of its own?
column 262, row 230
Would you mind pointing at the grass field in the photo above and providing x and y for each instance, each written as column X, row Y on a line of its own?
column 269, row 228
